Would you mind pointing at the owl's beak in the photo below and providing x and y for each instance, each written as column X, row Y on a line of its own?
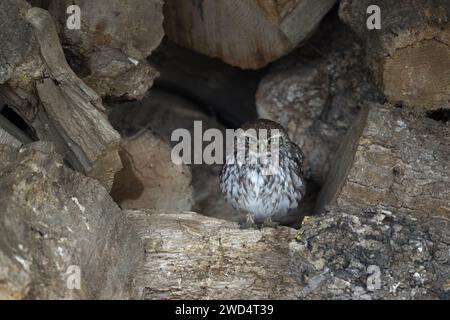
column 262, row 147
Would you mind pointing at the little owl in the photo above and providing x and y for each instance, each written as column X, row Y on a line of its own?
column 263, row 173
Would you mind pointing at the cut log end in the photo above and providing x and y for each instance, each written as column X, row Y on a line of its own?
column 419, row 75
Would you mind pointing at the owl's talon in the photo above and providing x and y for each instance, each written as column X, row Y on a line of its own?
column 268, row 223
column 249, row 223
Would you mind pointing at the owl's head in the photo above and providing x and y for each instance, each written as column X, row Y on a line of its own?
column 261, row 138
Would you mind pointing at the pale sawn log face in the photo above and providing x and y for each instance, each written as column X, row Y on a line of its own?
column 248, row 34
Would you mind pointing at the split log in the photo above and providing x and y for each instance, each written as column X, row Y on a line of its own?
column 51, row 219
column 115, row 38
column 190, row 256
column 395, row 160
column 150, row 179
column 72, row 114
column 410, row 55
column 249, row 34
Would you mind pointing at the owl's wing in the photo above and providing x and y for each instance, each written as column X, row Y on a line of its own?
column 296, row 156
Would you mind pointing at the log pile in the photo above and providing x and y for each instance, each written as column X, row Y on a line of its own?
column 92, row 205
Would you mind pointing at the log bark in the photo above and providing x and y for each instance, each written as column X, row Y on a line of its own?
column 394, row 160
column 410, row 55
column 249, row 33
column 190, row 256
column 136, row 27
column 115, row 39
column 16, row 35
column 372, row 254
column 52, row 218
column 72, row 114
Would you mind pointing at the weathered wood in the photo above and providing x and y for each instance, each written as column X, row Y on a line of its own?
column 53, row 55
column 244, row 33
column 190, row 256
column 73, row 116
column 115, row 38
column 150, row 179
column 114, row 74
column 394, row 160
column 410, row 55
column 132, row 26
column 16, row 35
column 373, row 254
column 52, row 218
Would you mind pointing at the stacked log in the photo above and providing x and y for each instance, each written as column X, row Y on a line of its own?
column 115, row 35
column 394, row 160
column 410, row 55
column 248, row 34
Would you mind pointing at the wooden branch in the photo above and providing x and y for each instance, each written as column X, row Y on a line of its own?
column 410, row 55
column 244, row 33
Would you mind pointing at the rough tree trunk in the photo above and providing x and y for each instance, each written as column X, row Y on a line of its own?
column 392, row 159
column 244, row 33
column 410, row 55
